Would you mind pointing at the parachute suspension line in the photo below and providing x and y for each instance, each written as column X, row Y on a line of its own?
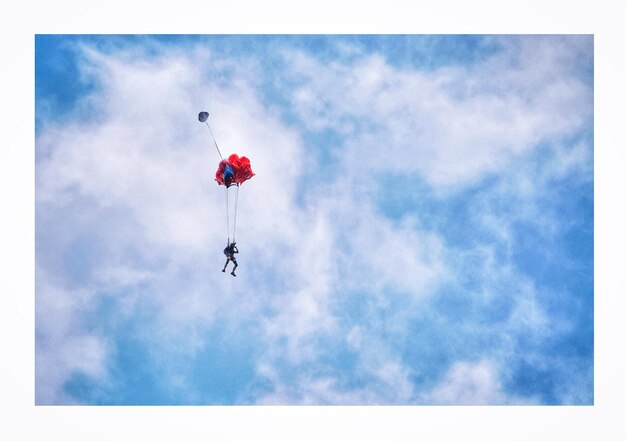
column 214, row 142
column 227, row 217
column 235, row 220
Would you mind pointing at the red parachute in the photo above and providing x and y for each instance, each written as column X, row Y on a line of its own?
column 234, row 171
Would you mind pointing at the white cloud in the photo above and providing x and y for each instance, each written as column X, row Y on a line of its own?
column 385, row 255
column 468, row 383
column 457, row 123
column 389, row 381
column 303, row 309
column 143, row 160
column 65, row 346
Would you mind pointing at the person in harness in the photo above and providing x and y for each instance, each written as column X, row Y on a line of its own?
column 230, row 252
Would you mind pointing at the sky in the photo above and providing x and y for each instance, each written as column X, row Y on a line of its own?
column 419, row 230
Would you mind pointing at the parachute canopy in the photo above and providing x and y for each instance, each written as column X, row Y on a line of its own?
column 234, row 171
column 203, row 116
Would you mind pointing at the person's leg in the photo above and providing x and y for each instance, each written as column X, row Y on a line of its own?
column 234, row 268
column 225, row 265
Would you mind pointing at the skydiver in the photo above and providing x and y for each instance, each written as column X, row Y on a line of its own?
column 230, row 252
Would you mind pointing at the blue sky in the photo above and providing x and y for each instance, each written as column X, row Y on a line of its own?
column 419, row 231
